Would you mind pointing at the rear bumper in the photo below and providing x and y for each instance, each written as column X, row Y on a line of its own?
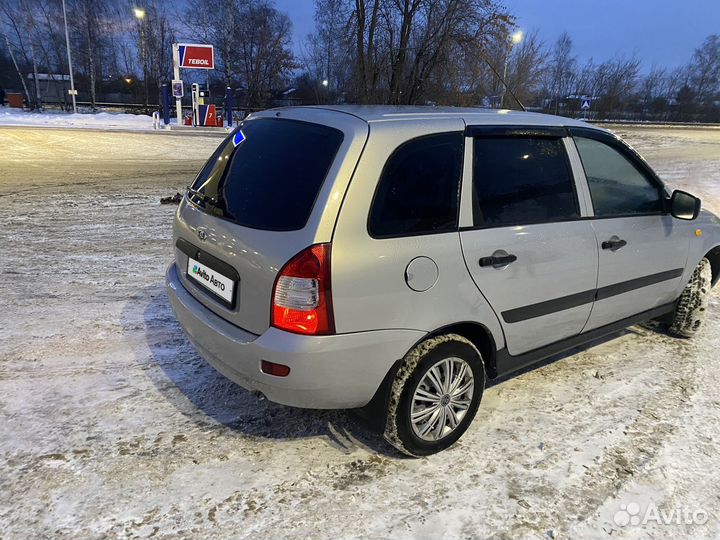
column 326, row 372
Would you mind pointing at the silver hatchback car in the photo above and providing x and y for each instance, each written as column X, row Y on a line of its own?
column 394, row 259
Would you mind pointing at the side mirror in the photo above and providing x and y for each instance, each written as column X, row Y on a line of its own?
column 684, row 206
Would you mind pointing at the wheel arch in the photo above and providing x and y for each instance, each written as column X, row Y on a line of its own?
column 714, row 257
column 479, row 335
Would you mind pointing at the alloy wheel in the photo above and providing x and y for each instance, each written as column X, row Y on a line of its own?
column 441, row 399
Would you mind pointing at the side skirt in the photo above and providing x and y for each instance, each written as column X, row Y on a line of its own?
column 506, row 363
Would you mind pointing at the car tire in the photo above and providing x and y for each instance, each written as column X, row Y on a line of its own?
column 692, row 304
column 432, row 385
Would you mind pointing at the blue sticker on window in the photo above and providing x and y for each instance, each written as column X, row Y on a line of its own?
column 238, row 138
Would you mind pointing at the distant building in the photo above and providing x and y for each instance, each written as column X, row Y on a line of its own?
column 285, row 98
column 53, row 86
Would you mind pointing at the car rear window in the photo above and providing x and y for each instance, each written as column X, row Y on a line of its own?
column 268, row 173
column 418, row 191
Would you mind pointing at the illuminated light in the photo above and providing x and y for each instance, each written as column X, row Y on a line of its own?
column 526, row 156
column 139, row 13
column 302, row 301
column 517, row 37
column 325, row 82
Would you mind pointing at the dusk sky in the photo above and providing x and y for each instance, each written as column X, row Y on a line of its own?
column 663, row 32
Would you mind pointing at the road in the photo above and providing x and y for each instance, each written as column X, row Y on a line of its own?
column 111, row 426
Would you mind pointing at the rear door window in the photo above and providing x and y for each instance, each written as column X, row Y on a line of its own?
column 522, row 180
column 268, row 173
column 419, row 188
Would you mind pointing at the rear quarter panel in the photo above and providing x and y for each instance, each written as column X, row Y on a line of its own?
column 370, row 291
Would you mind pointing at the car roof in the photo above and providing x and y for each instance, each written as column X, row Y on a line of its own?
column 471, row 116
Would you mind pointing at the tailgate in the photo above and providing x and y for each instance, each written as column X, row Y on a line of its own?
column 270, row 190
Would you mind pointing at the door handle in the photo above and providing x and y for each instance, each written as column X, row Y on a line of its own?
column 614, row 244
column 497, row 261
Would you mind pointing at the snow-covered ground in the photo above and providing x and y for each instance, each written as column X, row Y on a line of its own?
column 102, row 120
column 111, row 426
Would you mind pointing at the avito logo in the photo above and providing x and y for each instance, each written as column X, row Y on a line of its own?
column 633, row 514
column 201, row 273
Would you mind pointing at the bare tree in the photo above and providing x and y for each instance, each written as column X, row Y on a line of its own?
column 676, row 79
column 527, row 66
column 219, row 27
column 449, row 29
column 654, row 84
column 17, row 67
column 615, row 81
column 154, row 36
column 704, row 69
column 122, row 43
column 252, row 44
column 561, row 70
column 404, row 51
column 265, row 58
column 654, row 91
column 51, row 42
column 326, row 57
column 19, row 22
column 89, row 24
column 367, row 53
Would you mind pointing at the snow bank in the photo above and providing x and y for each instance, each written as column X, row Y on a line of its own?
column 103, row 120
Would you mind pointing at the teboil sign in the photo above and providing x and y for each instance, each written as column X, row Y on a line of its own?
column 193, row 56
column 189, row 56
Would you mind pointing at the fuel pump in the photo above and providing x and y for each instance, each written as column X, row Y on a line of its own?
column 203, row 115
column 195, row 93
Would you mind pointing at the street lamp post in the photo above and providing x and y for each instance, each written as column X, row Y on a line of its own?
column 140, row 15
column 515, row 38
column 67, row 43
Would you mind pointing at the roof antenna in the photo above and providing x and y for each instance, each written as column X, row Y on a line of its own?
column 507, row 88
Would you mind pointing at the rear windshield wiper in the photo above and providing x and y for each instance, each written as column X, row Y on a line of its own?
column 200, row 195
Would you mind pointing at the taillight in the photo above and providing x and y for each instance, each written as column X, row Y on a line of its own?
column 302, row 301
